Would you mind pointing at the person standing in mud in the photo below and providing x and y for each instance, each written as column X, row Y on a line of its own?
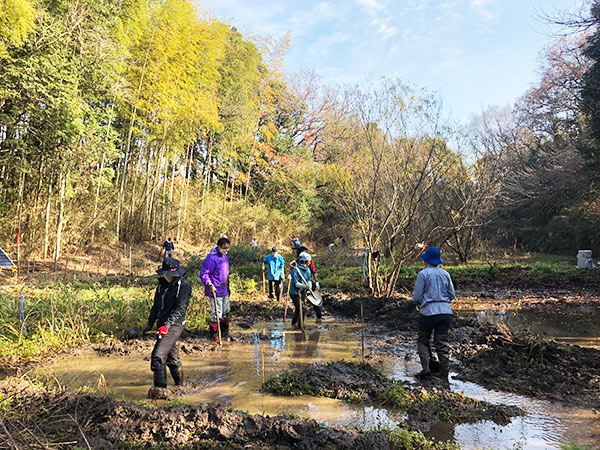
column 168, row 311
column 432, row 293
column 215, row 276
column 274, row 264
column 301, row 282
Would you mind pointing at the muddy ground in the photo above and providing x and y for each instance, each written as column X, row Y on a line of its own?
column 486, row 354
column 40, row 418
column 364, row 384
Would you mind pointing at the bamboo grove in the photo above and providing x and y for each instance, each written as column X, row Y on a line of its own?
column 129, row 121
column 110, row 111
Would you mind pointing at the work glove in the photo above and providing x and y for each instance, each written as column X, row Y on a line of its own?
column 289, row 277
column 412, row 305
column 317, row 286
column 301, row 286
column 162, row 330
column 147, row 328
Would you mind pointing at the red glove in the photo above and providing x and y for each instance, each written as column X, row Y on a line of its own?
column 162, row 330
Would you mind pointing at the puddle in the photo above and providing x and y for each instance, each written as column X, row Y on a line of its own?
column 578, row 325
column 229, row 377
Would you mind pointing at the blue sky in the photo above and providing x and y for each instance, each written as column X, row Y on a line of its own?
column 472, row 53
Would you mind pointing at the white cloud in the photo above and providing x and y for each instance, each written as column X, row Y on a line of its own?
column 371, row 4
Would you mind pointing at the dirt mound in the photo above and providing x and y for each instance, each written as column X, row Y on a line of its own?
column 526, row 364
column 362, row 383
column 87, row 420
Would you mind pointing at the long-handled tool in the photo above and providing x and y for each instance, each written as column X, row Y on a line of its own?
column 286, row 299
column 316, row 300
column 218, row 319
column 263, row 278
column 300, row 298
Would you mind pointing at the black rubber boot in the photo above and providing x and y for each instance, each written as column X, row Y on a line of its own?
column 224, row 328
column 424, row 351
column 177, row 374
column 160, row 377
column 442, row 349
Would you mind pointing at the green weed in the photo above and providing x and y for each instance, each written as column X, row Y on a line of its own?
column 396, row 396
column 291, row 384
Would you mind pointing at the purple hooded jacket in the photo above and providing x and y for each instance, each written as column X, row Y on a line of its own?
column 215, row 271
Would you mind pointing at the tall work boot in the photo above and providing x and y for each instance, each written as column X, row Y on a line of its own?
column 442, row 349
column 159, row 390
column 224, row 328
column 160, row 377
column 177, row 374
column 423, row 350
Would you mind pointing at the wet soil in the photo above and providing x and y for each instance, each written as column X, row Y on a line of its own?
column 489, row 355
column 45, row 418
column 362, row 383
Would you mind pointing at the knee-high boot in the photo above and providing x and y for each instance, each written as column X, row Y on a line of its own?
column 424, row 351
column 442, row 349
column 177, row 374
column 160, row 377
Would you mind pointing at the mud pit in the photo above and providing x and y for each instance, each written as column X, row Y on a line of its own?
column 489, row 354
column 389, row 341
column 68, row 418
column 362, row 383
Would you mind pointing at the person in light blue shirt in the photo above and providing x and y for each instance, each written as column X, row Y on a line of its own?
column 273, row 264
column 433, row 293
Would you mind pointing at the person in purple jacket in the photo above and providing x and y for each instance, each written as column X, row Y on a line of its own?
column 215, row 276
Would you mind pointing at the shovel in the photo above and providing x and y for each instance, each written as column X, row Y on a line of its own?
column 314, row 297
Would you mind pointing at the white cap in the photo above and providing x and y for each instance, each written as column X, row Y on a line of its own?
column 304, row 257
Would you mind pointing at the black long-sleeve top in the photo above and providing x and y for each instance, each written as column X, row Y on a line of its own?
column 170, row 302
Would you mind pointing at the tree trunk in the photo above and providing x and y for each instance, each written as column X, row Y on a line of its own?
column 61, row 213
column 97, row 199
column 47, row 227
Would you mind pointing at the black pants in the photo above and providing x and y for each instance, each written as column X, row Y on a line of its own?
column 165, row 354
column 301, row 297
column 275, row 285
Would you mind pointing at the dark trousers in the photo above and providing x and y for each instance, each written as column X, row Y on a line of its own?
column 165, row 355
column 299, row 298
column 439, row 324
column 275, row 285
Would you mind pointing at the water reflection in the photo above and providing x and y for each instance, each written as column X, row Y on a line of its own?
column 570, row 324
column 228, row 376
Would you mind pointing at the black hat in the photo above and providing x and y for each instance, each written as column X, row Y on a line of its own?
column 170, row 266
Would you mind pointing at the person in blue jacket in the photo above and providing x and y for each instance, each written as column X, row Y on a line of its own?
column 433, row 293
column 273, row 264
column 301, row 282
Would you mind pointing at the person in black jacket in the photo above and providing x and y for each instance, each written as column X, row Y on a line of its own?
column 168, row 311
column 168, row 246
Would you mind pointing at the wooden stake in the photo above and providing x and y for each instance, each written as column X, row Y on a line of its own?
column 362, row 332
